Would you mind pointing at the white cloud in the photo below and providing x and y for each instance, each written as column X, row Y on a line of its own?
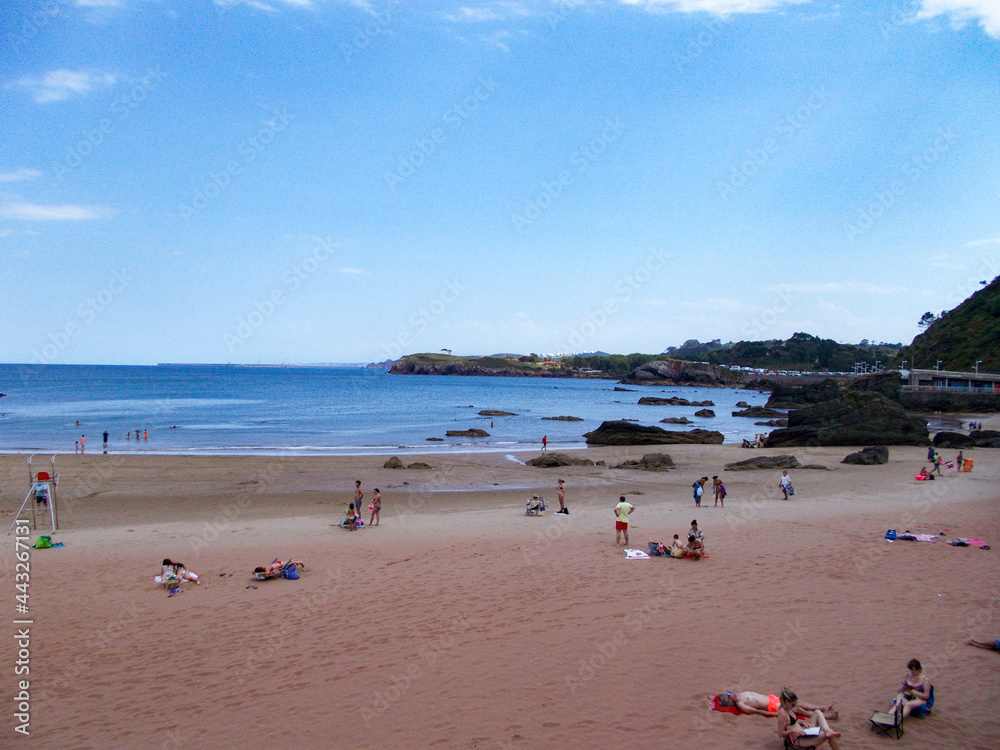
column 986, row 12
column 20, row 174
column 58, row 85
column 348, row 269
column 499, row 39
column 98, row 3
column 715, row 7
column 977, row 243
column 36, row 212
column 494, row 12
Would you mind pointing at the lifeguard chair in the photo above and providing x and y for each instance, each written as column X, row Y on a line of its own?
column 41, row 496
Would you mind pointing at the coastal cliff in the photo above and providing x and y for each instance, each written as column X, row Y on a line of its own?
column 439, row 364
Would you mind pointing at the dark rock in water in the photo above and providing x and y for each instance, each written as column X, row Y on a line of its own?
column 419, row 465
column 855, row 419
column 467, row 433
column 704, row 413
column 868, row 456
column 435, row 439
column 764, row 462
column 742, row 404
column 759, row 412
column 551, row 460
column 798, row 396
column 393, row 463
column 773, row 423
column 624, row 390
column 672, row 401
column 676, row 420
column 624, row 433
column 649, row 462
column 496, row 413
column 564, row 419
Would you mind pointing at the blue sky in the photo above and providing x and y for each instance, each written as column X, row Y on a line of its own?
column 313, row 180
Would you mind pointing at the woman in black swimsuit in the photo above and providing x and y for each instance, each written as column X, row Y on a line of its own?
column 803, row 732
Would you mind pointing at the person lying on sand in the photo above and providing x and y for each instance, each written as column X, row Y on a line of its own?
column 184, row 574
column 989, row 645
column 767, row 705
column 809, row 732
column 274, row 568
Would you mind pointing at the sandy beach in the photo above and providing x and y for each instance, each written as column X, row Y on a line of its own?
column 461, row 623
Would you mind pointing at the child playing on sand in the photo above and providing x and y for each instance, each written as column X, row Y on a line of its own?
column 376, row 506
column 352, row 517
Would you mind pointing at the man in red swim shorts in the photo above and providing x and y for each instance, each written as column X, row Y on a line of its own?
column 622, row 511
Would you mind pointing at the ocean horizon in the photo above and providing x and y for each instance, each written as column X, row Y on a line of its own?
column 192, row 409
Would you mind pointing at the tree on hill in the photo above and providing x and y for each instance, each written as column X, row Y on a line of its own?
column 963, row 336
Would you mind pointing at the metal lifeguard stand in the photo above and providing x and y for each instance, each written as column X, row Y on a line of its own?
column 42, row 492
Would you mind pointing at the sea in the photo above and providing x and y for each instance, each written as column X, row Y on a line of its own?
column 224, row 409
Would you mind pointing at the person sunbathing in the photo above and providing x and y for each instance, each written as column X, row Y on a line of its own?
column 184, row 574
column 276, row 568
column 767, row 705
column 809, row 732
column 533, row 505
column 989, row 645
column 915, row 690
column 924, row 474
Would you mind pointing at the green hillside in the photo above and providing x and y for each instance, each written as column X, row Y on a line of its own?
column 801, row 352
column 961, row 336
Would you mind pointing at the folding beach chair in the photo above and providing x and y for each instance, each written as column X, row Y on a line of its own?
column 886, row 723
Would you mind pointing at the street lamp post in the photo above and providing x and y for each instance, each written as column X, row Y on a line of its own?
column 938, row 366
column 978, row 362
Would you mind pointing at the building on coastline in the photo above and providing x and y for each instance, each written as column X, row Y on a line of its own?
column 950, row 381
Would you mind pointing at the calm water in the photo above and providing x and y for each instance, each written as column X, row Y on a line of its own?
column 312, row 410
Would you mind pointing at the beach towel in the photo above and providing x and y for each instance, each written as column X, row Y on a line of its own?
column 636, row 554
column 716, row 705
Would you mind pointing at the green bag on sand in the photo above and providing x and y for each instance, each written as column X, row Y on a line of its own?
column 43, row 542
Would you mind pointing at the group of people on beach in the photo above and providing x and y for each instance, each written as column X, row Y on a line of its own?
column 173, row 574
column 759, row 441
column 81, row 444
column 806, row 725
column 353, row 520
column 718, row 491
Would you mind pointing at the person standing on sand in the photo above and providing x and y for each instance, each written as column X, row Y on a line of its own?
column 83, row 442
column 720, row 491
column 698, row 489
column 376, row 507
column 563, row 510
column 622, row 512
column 545, row 441
column 786, row 485
column 358, row 495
